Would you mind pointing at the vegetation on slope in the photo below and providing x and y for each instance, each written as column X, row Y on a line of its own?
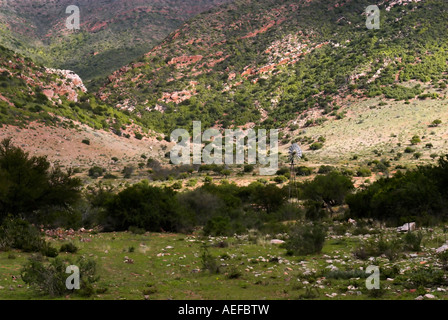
column 252, row 59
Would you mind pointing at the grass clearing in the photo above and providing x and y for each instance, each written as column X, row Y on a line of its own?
column 168, row 266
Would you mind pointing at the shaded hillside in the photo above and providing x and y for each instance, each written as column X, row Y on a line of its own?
column 270, row 61
column 112, row 33
column 31, row 92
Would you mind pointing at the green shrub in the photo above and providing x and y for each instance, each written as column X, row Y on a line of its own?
column 363, row 172
column 304, row 171
column 413, row 240
column 208, row 261
column 208, row 180
column 346, row 274
column 417, row 155
column 128, row 171
column 96, row 172
column 136, row 230
column 280, row 179
column 218, row 226
column 192, row 182
column 86, row 141
column 20, row 234
column 436, row 123
column 306, row 239
column 43, row 188
column 415, row 140
column 50, row 278
column 248, row 168
column 143, row 206
column 69, row 247
column 177, row 185
column 377, row 246
column 422, row 277
column 325, row 169
column 316, row 146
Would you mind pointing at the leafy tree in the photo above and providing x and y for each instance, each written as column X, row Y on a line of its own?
column 329, row 189
column 29, row 183
column 416, row 194
column 269, row 197
column 143, row 206
column 436, row 123
column 306, row 239
column 415, row 140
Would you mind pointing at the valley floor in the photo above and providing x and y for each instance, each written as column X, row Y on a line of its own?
column 157, row 266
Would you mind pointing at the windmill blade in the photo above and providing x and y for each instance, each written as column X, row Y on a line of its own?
column 295, row 152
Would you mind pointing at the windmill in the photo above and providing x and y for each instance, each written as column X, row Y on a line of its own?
column 295, row 153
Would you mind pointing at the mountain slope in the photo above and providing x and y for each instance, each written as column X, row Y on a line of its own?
column 48, row 112
column 271, row 61
column 31, row 92
column 112, row 33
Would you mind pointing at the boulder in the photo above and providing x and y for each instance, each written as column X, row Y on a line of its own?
column 277, row 241
column 409, row 226
column 442, row 248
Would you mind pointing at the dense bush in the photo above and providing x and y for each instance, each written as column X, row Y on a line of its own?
column 420, row 195
column 306, row 239
column 218, row 226
column 304, row 171
column 363, row 172
column 69, row 247
column 328, row 190
column 50, row 278
column 96, row 172
column 29, row 183
column 20, row 234
column 378, row 246
column 143, row 206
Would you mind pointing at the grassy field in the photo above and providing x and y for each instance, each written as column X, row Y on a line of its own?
column 385, row 126
column 156, row 266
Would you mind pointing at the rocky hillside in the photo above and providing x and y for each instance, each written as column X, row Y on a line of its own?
column 31, row 92
column 284, row 63
column 112, row 33
column 49, row 112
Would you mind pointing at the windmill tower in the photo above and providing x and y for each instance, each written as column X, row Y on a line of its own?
column 295, row 153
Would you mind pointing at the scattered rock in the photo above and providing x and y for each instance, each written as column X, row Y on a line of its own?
column 442, row 248
column 128, row 260
column 409, row 226
column 430, row 296
column 277, row 241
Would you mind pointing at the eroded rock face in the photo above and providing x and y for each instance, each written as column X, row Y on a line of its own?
column 70, row 84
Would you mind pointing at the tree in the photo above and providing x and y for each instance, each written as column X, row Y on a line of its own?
column 226, row 172
column 269, row 197
column 329, row 189
column 415, row 140
column 248, row 168
column 436, row 123
column 143, row 206
column 29, row 184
